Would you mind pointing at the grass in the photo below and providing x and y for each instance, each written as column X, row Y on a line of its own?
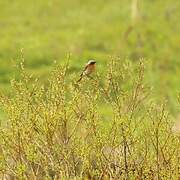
column 59, row 130
column 49, row 30
column 38, row 128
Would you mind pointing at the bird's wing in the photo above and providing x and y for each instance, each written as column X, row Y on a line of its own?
column 84, row 70
column 81, row 75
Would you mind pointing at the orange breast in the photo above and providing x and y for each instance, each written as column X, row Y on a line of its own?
column 90, row 68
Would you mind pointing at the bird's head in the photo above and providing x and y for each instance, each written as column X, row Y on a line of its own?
column 91, row 62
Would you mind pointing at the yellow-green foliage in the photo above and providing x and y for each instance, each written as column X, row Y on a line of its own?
column 48, row 29
column 58, row 130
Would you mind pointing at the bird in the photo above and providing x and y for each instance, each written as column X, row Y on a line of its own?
column 89, row 68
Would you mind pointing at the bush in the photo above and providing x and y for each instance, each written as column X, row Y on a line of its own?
column 59, row 131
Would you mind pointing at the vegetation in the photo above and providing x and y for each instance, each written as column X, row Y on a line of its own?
column 58, row 131
column 48, row 30
column 117, row 124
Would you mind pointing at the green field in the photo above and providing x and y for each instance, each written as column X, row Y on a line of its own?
column 48, row 30
column 120, row 123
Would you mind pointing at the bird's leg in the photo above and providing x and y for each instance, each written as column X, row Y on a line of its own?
column 89, row 76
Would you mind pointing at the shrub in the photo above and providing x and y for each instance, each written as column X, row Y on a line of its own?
column 59, row 131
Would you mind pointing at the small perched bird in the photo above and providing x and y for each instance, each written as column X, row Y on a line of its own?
column 89, row 68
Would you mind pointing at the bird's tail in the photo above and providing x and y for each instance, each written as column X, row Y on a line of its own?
column 81, row 76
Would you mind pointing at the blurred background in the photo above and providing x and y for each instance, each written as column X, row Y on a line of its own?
column 49, row 29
